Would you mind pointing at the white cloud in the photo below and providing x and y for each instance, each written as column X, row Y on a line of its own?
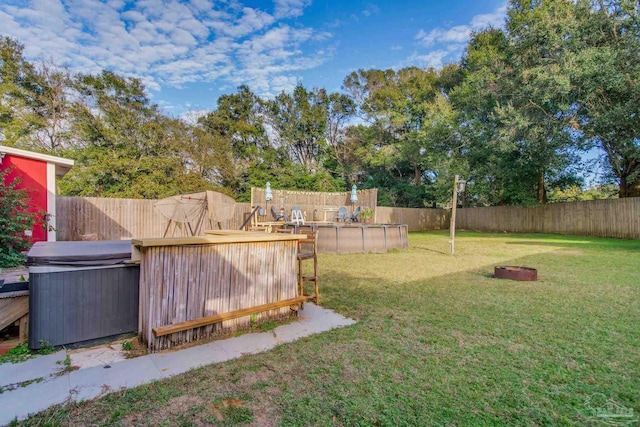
column 433, row 59
column 493, row 19
column 132, row 15
column 284, row 83
column 170, row 42
column 370, row 9
column 290, row 8
column 449, row 43
column 250, row 20
column 461, row 33
column 455, row 34
column 202, row 5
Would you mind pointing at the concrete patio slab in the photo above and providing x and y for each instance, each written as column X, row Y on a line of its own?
column 36, row 397
column 98, row 356
column 176, row 362
column 92, row 382
column 93, row 379
column 39, row 367
column 250, row 344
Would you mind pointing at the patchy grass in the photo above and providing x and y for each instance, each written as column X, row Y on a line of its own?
column 438, row 342
column 22, row 352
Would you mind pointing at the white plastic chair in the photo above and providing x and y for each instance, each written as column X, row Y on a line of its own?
column 296, row 216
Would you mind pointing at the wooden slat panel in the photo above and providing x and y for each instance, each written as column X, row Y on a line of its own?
column 181, row 284
column 312, row 202
column 117, row 219
column 12, row 309
column 618, row 218
column 416, row 219
column 204, row 321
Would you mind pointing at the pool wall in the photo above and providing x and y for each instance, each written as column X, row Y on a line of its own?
column 358, row 238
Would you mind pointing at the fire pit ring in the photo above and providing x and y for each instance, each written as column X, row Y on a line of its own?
column 521, row 274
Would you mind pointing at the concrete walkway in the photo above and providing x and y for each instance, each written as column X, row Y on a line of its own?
column 39, row 383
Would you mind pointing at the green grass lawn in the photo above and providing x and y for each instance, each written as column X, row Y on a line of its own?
column 438, row 342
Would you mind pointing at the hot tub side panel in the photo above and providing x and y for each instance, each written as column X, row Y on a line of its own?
column 77, row 305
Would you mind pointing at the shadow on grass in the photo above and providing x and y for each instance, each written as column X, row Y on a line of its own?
column 427, row 259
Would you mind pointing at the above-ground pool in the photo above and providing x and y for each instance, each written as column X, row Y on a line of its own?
column 358, row 237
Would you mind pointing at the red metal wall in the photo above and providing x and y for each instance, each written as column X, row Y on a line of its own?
column 34, row 179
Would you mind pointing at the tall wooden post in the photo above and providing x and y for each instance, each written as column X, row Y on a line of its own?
column 452, row 226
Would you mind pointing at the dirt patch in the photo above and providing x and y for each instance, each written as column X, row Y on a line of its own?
column 181, row 404
column 219, row 410
column 262, row 375
column 176, row 406
column 137, row 348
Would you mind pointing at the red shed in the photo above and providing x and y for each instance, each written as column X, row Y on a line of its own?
column 38, row 172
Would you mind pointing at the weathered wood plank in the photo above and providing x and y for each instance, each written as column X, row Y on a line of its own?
column 204, row 321
column 12, row 309
column 185, row 283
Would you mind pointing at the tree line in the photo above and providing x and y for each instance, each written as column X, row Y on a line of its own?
column 513, row 117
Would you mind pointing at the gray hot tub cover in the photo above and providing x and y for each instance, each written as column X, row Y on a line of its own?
column 105, row 252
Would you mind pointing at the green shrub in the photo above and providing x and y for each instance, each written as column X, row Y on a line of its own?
column 15, row 218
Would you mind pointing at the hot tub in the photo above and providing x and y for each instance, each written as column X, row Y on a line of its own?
column 358, row 237
column 81, row 291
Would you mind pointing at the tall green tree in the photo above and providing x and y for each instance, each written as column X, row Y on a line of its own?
column 210, row 155
column 52, row 108
column 126, row 147
column 299, row 121
column 236, row 129
column 537, row 118
column 490, row 172
column 340, row 161
column 18, row 93
column 517, row 104
column 607, row 75
column 415, row 124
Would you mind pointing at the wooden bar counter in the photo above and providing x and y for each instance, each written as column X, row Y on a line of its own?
column 194, row 288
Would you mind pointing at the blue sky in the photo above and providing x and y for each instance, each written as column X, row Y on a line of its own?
column 188, row 53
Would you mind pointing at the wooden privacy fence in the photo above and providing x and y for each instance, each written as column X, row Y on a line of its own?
column 416, row 219
column 117, row 219
column 312, row 202
column 618, row 218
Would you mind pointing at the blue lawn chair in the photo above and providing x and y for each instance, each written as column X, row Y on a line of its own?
column 342, row 214
column 277, row 216
column 354, row 215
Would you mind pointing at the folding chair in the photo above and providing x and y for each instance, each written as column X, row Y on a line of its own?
column 342, row 214
column 354, row 216
column 277, row 216
column 296, row 216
